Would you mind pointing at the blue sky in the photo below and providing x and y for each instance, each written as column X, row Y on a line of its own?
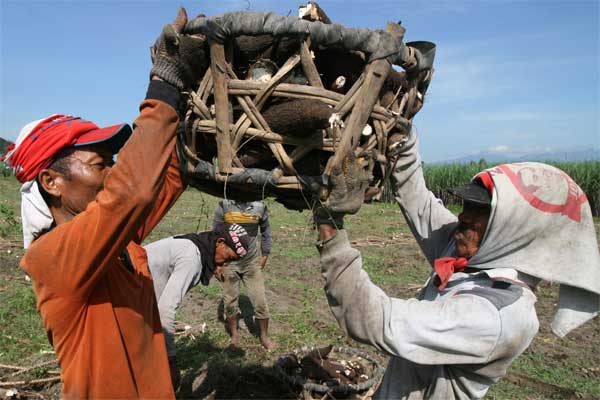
column 510, row 75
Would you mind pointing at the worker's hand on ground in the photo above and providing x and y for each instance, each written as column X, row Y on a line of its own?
column 218, row 274
column 346, row 186
column 179, row 59
column 262, row 262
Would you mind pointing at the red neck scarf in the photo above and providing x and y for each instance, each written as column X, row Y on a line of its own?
column 444, row 268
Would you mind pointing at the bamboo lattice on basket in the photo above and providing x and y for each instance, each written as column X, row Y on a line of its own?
column 279, row 134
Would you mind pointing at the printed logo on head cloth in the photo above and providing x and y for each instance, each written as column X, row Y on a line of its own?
column 236, row 232
column 548, row 190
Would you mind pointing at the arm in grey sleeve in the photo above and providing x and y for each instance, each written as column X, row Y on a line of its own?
column 187, row 268
column 265, row 233
column 431, row 223
column 219, row 215
column 462, row 329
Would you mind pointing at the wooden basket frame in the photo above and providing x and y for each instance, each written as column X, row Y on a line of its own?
column 359, row 105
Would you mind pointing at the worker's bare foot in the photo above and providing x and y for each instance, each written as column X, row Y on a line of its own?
column 268, row 345
column 232, row 327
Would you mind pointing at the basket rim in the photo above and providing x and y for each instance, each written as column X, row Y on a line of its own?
column 377, row 44
column 345, row 389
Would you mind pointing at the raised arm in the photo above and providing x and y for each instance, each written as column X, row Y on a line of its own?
column 461, row 330
column 431, row 223
column 93, row 239
column 172, row 188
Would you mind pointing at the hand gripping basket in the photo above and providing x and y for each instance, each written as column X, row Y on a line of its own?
column 284, row 99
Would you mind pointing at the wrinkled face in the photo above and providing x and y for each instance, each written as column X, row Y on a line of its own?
column 224, row 253
column 472, row 223
column 81, row 177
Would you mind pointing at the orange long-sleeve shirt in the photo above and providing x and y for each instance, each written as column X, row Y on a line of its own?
column 102, row 318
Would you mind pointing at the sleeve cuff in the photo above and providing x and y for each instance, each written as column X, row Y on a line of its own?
column 163, row 91
column 338, row 241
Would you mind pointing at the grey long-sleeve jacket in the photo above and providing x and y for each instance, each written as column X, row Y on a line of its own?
column 449, row 344
column 176, row 267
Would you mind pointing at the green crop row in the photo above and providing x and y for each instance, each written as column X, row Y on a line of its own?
column 439, row 177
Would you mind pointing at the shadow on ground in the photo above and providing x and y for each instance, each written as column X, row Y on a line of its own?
column 247, row 315
column 214, row 372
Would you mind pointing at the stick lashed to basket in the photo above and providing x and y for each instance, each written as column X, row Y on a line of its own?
column 329, row 89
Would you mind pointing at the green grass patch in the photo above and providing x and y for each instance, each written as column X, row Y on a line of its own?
column 22, row 333
column 568, row 375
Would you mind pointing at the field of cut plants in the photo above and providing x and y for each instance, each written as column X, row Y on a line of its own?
column 550, row 368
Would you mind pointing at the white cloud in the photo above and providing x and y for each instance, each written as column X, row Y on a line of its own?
column 473, row 72
column 463, row 74
column 502, row 148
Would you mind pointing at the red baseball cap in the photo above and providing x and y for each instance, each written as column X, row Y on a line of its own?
column 40, row 141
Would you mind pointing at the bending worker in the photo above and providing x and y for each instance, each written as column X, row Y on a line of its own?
column 252, row 216
column 179, row 263
column 84, row 220
column 475, row 315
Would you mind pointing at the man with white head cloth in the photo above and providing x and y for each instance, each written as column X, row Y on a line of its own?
column 521, row 223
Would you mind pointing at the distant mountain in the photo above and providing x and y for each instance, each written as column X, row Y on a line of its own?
column 574, row 155
column 557, row 155
column 3, row 145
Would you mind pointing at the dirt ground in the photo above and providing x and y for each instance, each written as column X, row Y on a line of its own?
column 550, row 368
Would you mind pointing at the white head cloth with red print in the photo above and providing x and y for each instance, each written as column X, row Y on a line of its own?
column 541, row 225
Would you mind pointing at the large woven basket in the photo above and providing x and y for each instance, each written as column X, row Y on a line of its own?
column 284, row 99
column 295, row 380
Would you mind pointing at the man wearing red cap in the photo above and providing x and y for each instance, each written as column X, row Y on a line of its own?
column 84, row 221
